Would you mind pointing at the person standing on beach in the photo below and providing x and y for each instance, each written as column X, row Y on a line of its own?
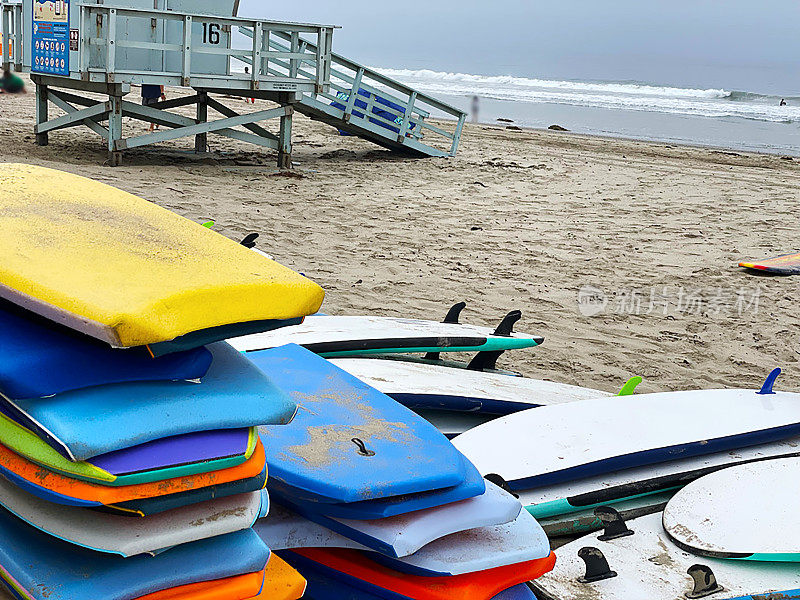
column 476, row 105
column 151, row 94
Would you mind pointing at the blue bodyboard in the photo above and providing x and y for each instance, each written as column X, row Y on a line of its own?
column 473, row 485
column 50, row 569
column 348, row 442
column 85, row 423
column 41, row 358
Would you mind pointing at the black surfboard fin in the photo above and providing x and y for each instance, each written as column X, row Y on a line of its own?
column 769, row 382
column 506, row 326
column 500, row 482
column 613, row 524
column 704, row 582
column 597, row 568
column 452, row 316
column 249, row 240
column 485, row 360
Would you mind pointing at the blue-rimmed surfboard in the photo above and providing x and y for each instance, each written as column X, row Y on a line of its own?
column 336, row 336
column 431, row 387
column 646, row 564
column 744, row 512
column 592, row 437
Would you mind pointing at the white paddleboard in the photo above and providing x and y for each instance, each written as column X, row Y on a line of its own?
column 129, row 536
column 463, row 552
column 649, row 566
column 426, row 386
column 353, row 335
column 748, row 511
column 564, row 442
column 581, row 494
column 404, row 534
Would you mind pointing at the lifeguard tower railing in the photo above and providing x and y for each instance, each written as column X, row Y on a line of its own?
column 119, row 46
column 11, row 38
column 383, row 110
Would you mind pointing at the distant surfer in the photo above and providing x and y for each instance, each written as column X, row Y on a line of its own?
column 151, row 94
column 783, row 102
column 476, row 106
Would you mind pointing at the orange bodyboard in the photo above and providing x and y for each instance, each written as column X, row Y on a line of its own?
column 92, row 492
column 481, row 585
column 278, row 581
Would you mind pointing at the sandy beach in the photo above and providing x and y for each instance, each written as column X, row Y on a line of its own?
column 647, row 234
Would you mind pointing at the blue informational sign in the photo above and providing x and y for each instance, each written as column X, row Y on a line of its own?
column 50, row 37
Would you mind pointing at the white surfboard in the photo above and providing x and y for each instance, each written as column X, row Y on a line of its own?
column 355, row 335
column 649, row 566
column 402, row 535
column 129, row 536
column 463, row 552
column 748, row 511
column 575, row 440
column 581, row 494
column 426, row 386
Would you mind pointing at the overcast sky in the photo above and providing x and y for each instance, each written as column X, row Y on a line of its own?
column 751, row 45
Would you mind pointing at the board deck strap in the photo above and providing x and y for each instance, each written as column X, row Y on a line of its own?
column 786, row 264
column 126, row 271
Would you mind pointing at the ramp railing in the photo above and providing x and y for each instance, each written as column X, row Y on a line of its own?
column 11, row 38
column 201, row 41
column 378, row 105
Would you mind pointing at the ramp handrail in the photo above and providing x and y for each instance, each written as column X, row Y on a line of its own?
column 260, row 53
column 11, row 27
column 378, row 100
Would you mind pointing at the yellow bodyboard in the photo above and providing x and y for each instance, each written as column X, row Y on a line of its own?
column 124, row 270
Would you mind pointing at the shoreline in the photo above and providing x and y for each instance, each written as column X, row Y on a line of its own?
column 534, row 220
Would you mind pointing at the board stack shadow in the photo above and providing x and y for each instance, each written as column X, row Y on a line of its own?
column 130, row 462
column 374, row 502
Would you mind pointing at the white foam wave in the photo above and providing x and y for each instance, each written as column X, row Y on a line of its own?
column 622, row 96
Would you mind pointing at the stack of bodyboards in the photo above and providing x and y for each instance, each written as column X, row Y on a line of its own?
column 129, row 453
column 372, row 501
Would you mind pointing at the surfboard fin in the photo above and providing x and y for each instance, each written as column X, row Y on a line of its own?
column 506, row 326
column 452, row 316
column 613, row 524
column 597, row 568
column 500, row 482
column 769, row 382
column 630, row 386
column 705, row 583
column 249, row 240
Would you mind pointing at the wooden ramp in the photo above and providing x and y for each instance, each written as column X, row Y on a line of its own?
column 383, row 110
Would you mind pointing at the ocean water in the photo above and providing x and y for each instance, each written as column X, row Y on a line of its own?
column 701, row 116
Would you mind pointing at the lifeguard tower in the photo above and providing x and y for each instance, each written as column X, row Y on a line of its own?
column 72, row 47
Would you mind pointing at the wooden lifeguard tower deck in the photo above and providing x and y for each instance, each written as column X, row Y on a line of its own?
column 113, row 47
